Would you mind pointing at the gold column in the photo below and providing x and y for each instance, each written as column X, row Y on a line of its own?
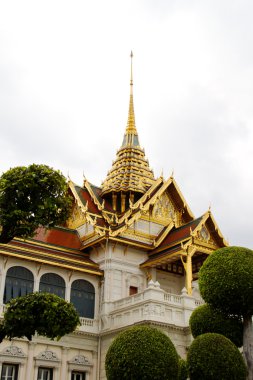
column 188, row 269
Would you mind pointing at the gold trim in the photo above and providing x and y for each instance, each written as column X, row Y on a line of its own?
column 47, row 245
column 46, row 254
column 50, row 263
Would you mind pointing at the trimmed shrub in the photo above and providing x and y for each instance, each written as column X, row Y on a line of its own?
column 226, row 280
column 182, row 370
column 206, row 319
column 44, row 313
column 142, row 352
column 214, row 357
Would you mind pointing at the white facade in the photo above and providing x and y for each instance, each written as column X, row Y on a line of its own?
column 161, row 302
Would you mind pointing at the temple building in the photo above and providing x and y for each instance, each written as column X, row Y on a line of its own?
column 129, row 254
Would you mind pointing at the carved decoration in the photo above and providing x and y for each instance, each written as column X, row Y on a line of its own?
column 48, row 355
column 164, row 209
column 13, row 351
column 77, row 218
column 80, row 360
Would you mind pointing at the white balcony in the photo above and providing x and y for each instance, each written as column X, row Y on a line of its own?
column 153, row 304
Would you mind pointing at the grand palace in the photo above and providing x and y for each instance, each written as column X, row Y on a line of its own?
column 129, row 254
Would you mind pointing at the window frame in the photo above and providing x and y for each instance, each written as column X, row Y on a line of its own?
column 18, row 284
column 77, row 372
column 14, row 376
column 50, row 372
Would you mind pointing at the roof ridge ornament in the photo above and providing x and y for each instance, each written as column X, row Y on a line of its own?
column 131, row 128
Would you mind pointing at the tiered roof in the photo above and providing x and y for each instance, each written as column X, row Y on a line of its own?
column 130, row 170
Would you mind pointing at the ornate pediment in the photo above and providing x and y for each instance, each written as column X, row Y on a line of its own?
column 48, row 356
column 80, row 360
column 77, row 217
column 13, row 351
column 164, row 209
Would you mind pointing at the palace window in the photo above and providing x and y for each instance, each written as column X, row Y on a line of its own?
column 75, row 375
column 133, row 290
column 52, row 283
column 45, row 373
column 9, row 372
column 83, row 297
column 19, row 282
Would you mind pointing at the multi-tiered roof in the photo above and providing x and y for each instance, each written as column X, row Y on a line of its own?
column 130, row 172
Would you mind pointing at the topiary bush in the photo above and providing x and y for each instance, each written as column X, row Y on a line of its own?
column 206, row 319
column 182, row 370
column 226, row 283
column 226, row 280
column 214, row 357
column 141, row 352
column 44, row 313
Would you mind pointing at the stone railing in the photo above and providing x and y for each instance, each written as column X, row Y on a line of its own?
column 86, row 324
column 153, row 304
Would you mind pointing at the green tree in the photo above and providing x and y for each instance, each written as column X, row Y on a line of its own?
column 30, row 197
column 226, row 283
column 44, row 313
column 142, row 352
column 205, row 319
column 214, row 357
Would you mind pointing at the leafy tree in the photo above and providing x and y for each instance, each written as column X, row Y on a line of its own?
column 226, row 283
column 30, row 197
column 141, row 352
column 212, row 356
column 205, row 319
column 44, row 313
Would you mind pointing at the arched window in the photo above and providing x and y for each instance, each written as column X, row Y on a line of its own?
column 52, row 283
column 83, row 297
column 19, row 282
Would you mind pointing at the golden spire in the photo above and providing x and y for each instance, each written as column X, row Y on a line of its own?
column 131, row 136
column 130, row 172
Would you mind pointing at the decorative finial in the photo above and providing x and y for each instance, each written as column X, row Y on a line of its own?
column 131, row 77
column 172, row 174
column 209, row 208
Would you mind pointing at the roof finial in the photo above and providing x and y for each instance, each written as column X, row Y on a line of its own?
column 131, row 129
column 131, row 78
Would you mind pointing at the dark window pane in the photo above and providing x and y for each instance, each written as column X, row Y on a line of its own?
column 52, row 283
column 77, row 375
column 19, row 281
column 9, row 372
column 83, row 297
column 45, row 373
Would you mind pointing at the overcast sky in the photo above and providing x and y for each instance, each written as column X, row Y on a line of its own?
column 64, row 93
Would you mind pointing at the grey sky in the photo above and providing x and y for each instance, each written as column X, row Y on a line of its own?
column 64, row 92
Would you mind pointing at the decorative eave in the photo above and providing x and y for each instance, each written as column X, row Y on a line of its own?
column 99, row 205
column 192, row 241
column 185, row 206
column 46, row 254
column 87, row 216
column 207, row 219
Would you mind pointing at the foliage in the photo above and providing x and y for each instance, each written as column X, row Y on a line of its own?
column 226, row 280
column 182, row 370
column 30, row 197
column 44, row 313
column 205, row 319
column 141, row 352
column 212, row 356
